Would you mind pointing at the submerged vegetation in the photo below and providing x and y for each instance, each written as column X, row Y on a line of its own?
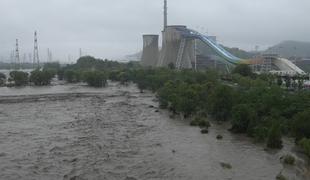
column 226, row 165
column 264, row 107
column 288, row 159
column 95, row 78
column 20, row 78
column 2, row 79
column 41, row 78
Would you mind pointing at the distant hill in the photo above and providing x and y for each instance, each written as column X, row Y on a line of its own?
column 240, row 53
column 289, row 49
column 134, row 57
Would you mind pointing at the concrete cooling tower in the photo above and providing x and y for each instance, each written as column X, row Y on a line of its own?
column 150, row 52
column 177, row 48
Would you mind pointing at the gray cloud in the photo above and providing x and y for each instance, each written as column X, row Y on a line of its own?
column 112, row 29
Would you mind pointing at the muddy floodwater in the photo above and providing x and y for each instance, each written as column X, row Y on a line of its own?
column 75, row 132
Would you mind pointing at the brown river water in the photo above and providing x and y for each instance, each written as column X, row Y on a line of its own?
column 116, row 133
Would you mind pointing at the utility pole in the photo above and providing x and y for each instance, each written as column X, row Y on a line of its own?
column 12, row 59
column 24, row 60
column 29, row 58
column 80, row 52
column 49, row 55
column 36, row 59
column 17, row 60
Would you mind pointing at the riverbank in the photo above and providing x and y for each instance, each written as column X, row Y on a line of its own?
column 72, row 131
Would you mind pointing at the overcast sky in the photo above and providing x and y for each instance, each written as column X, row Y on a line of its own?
column 114, row 28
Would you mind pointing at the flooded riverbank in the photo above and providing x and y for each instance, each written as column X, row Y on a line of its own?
column 76, row 132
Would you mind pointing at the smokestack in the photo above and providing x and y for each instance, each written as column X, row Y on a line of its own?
column 165, row 14
column 150, row 52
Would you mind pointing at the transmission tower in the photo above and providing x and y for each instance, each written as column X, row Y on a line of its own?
column 36, row 60
column 17, row 60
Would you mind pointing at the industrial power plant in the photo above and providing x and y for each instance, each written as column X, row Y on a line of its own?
column 182, row 46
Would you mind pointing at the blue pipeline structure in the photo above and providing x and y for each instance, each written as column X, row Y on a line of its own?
column 230, row 58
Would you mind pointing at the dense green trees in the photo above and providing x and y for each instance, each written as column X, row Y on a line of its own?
column 305, row 145
column 73, row 76
column 221, row 102
column 95, row 78
column 243, row 70
column 91, row 63
column 301, row 124
column 20, row 78
column 41, row 78
column 255, row 104
column 274, row 136
column 242, row 115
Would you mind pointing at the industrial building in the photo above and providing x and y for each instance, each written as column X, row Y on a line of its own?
column 188, row 49
column 150, row 54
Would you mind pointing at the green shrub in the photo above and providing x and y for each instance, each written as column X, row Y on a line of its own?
column 301, row 125
column 281, row 177
column 288, row 159
column 260, row 133
column 60, row 74
column 221, row 102
column 193, row 123
column 2, row 79
column 305, row 145
column 274, row 140
column 114, row 75
column 95, row 78
column 243, row 70
column 241, row 116
column 204, row 131
column 124, row 78
column 226, row 165
column 219, row 137
column 73, row 76
column 20, row 78
column 41, row 78
column 201, row 122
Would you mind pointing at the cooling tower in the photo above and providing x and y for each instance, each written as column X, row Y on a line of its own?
column 150, row 52
column 176, row 48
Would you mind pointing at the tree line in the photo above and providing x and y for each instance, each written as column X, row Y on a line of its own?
column 256, row 105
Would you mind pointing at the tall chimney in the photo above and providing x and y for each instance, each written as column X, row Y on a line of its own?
column 165, row 14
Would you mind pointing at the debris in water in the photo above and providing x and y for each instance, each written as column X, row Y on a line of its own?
column 226, row 165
